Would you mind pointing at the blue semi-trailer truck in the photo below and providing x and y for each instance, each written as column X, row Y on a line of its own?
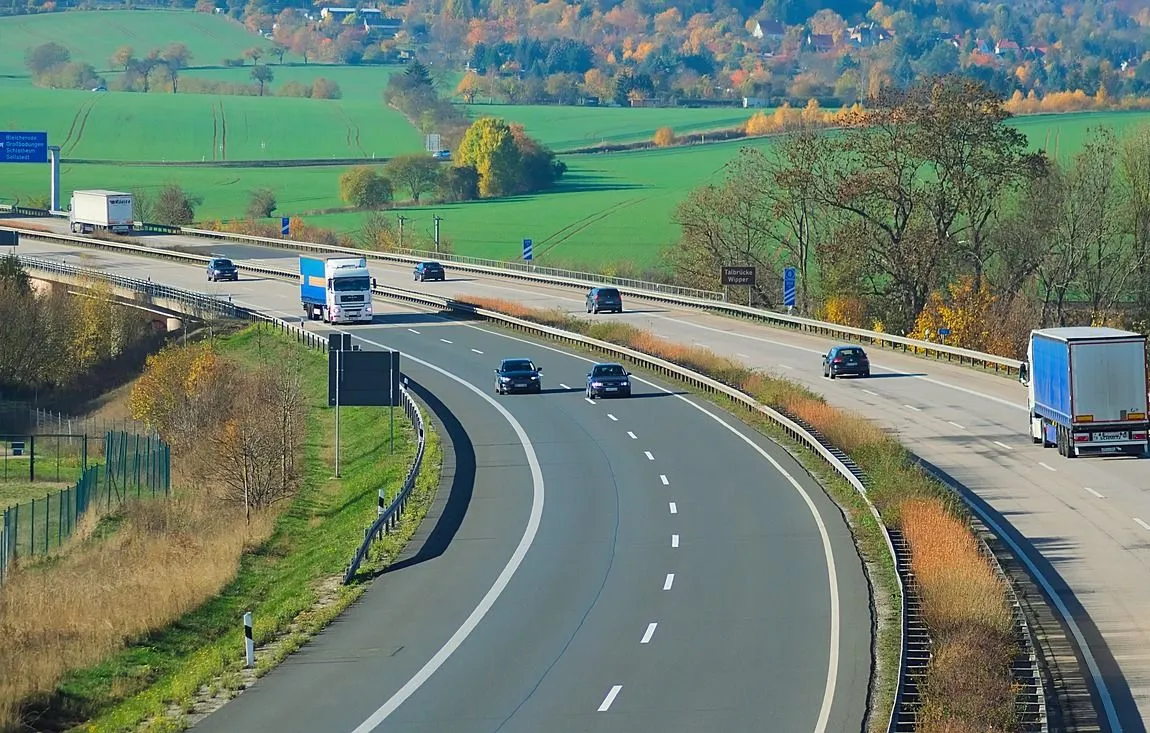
column 335, row 289
column 1087, row 390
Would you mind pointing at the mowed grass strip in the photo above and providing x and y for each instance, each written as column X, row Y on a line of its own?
column 968, row 687
column 94, row 35
column 277, row 569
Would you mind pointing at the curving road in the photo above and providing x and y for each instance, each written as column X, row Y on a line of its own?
column 633, row 565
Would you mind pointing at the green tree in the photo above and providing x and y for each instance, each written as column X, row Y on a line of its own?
column 262, row 74
column 459, row 183
column 13, row 276
column 45, row 57
column 364, row 188
column 417, row 172
column 175, row 59
column 489, row 147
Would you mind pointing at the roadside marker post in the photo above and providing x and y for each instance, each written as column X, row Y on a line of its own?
column 249, row 641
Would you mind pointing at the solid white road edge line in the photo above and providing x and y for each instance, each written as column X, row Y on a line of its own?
column 375, row 719
column 606, row 704
column 824, row 536
column 648, row 633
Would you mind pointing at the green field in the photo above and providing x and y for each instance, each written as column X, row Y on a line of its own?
column 358, row 83
column 93, row 36
column 566, row 128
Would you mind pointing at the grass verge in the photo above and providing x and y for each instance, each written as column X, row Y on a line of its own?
column 186, row 648
column 969, row 683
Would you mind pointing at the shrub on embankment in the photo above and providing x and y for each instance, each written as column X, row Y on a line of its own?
column 969, row 685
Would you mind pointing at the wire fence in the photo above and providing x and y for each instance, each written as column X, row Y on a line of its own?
column 34, row 421
column 125, row 466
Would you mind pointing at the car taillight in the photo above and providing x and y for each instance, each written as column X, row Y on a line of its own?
column 837, row 360
column 1082, row 438
column 1138, row 436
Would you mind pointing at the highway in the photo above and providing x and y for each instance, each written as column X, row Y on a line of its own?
column 625, row 565
column 1084, row 523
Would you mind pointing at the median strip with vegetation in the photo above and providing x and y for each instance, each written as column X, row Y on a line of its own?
column 969, row 683
column 280, row 553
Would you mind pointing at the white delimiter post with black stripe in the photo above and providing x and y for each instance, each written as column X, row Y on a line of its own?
column 249, row 641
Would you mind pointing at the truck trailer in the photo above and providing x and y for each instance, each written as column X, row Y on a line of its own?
column 97, row 209
column 1087, row 390
column 335, row 289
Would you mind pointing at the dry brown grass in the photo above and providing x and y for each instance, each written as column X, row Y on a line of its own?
column 167, row 558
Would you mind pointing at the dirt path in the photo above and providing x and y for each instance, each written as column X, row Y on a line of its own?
column 215, row 132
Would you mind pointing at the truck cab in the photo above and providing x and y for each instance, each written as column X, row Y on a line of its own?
column 336, row 289
column 1087, row 390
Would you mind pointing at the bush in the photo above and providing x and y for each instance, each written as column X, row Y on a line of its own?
column 261, row 203
column 364, row 188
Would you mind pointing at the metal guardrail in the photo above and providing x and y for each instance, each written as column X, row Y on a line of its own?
column 658, row 292
column 913, row 630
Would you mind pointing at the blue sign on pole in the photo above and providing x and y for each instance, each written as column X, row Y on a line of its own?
column 790, row 276
column 527, row 247
column 944, row 332
column 285, row 225
column 23, row 147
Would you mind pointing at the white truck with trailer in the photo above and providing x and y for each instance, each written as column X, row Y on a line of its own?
column 336, row 289
column 1087, row 390
column 98, row 209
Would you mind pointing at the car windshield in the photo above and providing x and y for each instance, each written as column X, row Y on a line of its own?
column 518, row 366
column 611, row 370
column 344, row 284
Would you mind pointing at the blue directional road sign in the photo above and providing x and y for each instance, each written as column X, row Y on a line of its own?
column 285, row 226
column 790, row 277
column 527, row 247
column 23, row 147
column 944, row 332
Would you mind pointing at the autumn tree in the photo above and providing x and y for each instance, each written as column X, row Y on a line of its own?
column 417, row 172
column 175, row 59
column 262, row 74
column 123, row 58
column 363, row 187
column 1135, row 165
column 181, row 393
column 664, row 137
column 459, row 183
column 469, row 86
column 489, row 148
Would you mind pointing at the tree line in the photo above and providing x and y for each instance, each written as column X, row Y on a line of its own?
column 52, row 341
column 926, row 211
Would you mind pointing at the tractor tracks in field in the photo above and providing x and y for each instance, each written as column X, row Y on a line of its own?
column 562, row 235
column 219, row 131
column 351, row 136
column 79, row 122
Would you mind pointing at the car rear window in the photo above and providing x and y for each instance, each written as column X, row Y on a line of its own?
column 609, row 292
column 850, row 352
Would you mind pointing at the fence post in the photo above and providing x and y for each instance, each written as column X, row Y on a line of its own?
column 31, row 457
column 47, row 525
column 32, row 531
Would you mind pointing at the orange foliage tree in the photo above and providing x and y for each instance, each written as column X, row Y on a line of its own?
column 664, row 137
column 965, row 311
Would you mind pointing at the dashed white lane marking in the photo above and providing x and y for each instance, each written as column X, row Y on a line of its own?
column 589, row 400
column 912, row 407
column 413, row 330
column 1000, row 444
column 1048, row 468
column 952, row 422
column 564, row 386
column 785, row 366
column 674, row 509
column 872, row 393
column 613, row 418
column 1141, row 524
column 446, row 341
column 668, row 581
column 1092, row 491
column 648, row 633
column 477, row 351
column 632, row 435
column 606, row 704
column 742, row 356
column 674, row 540
column 663, row 478
column 649, row 456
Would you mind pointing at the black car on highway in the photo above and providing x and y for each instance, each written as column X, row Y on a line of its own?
column 221, row 268
column 843, row 360
column 518, row 375
column 604, row 299
column 608, row 380
column 429, row 271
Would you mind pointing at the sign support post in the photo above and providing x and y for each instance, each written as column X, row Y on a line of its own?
column 54, row 184
column 338, row 379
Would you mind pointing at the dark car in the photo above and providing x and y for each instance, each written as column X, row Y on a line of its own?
column 608, row 380
column 843, row 360
column 429, row 271
column 518, row 375
column 221, row 268
column 604, row 299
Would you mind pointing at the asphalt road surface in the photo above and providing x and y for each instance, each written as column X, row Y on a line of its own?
column 627, row 565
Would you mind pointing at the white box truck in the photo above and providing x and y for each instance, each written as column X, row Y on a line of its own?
column 97, row 209
column 1086, row 388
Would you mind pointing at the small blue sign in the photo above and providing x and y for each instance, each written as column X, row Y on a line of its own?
column 944, row 332
column 23, row 147
column 790, row 277
column 527, row 247
column 285, row 225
